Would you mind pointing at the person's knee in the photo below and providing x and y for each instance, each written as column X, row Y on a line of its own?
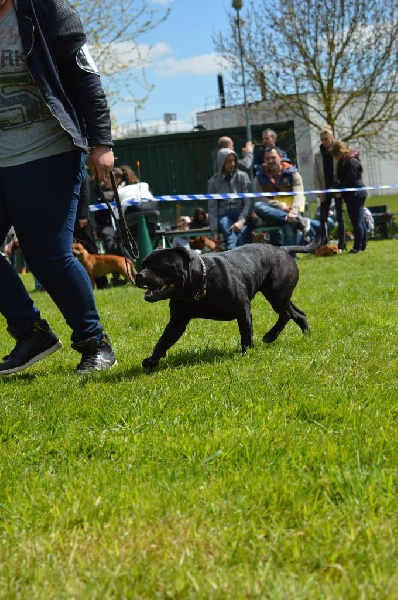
column 260, row 208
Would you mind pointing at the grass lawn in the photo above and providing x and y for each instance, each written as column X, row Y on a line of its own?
column 216, row 476
column 391, row 200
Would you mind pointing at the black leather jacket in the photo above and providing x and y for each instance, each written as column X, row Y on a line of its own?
column 52, row 37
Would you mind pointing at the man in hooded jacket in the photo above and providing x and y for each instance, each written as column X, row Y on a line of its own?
column 230, row 216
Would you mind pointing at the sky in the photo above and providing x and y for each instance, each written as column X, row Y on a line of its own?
column 183, row 67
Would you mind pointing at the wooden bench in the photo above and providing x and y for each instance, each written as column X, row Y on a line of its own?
column 164, row 238
column 383, row 218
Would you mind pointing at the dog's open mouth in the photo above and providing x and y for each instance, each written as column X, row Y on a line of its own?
column 155, row 294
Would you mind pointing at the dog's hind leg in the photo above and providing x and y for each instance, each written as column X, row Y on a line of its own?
column 299, row 317
column 279, row 326
column 279, row 299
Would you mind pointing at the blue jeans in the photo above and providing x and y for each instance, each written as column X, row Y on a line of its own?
column 315, row 225
column 40, row 199
column 288, row 236
column 233, row 239
column 356, row 213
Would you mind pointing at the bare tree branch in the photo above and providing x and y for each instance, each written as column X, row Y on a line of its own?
column 327, row 62
column 114, row 29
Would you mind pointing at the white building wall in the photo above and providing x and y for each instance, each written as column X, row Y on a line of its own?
column 380, row 163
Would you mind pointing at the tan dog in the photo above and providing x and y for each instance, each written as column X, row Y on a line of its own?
column 98, row 265
column 203, row 243
column 327, row 250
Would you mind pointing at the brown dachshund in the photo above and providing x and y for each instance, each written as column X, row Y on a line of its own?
column 204, row 243
column 98, row 265
column 327, row 250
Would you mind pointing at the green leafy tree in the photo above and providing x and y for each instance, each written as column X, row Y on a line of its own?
column 327, row 61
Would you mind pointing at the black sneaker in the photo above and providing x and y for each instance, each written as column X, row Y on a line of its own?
column 96, row 356
column 30, row 348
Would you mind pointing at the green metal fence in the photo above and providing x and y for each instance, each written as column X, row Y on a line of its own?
column 180, row 163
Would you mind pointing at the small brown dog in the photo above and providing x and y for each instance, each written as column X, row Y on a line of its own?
column 98, row 265
column 327, row 250
column 203, row 243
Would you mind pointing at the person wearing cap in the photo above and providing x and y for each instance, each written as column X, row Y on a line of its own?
column 58, row 115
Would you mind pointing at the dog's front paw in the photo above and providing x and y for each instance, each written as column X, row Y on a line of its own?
column 246, row 347
column 149, row 363
column 270, row 337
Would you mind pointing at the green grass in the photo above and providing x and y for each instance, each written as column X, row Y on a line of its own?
column 216, row 476
column 391, row 200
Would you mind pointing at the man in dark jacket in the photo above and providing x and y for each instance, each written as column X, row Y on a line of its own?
column 53, row 112
column 268, row 137
column 325, row 175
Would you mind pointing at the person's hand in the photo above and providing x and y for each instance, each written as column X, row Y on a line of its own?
column 238, row 225
column 249, row 147
column 83, row 223
column 322, row 198
column 101, row 162
column 291, row 216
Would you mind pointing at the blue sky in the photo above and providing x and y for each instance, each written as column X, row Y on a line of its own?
column 183, row 65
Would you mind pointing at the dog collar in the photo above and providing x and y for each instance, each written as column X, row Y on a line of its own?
column 201, row 293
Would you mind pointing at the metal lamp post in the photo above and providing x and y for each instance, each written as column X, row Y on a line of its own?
column 237, row 5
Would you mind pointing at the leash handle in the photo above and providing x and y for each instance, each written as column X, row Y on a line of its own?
column 128, row 242
column 127, row 239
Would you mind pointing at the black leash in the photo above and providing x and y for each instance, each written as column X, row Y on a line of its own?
column 130, row 247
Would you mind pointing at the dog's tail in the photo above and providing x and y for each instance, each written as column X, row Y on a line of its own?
column 309, row 248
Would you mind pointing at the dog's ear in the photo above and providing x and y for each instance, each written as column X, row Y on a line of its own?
column 82, row 243
column 186, row 252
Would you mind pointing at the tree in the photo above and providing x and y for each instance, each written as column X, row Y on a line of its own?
column 329, row 62
column 113, row 29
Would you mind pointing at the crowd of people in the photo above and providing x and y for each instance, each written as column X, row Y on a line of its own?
column 267, row 170
column 336, row 166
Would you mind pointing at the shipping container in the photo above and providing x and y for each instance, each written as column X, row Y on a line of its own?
column 180, row 163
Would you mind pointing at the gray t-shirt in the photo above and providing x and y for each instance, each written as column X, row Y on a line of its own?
column 28, row 130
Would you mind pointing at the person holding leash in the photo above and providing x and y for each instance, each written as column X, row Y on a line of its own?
column 53, row 112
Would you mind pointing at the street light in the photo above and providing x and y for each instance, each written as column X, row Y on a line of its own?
column 237, row 5
column 137, row 126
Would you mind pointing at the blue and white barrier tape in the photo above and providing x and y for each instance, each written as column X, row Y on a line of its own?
column 103, row 206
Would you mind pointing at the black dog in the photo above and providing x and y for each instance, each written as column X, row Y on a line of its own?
column 221, row 287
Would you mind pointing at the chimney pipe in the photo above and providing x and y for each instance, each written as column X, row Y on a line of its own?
column 221, row 93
